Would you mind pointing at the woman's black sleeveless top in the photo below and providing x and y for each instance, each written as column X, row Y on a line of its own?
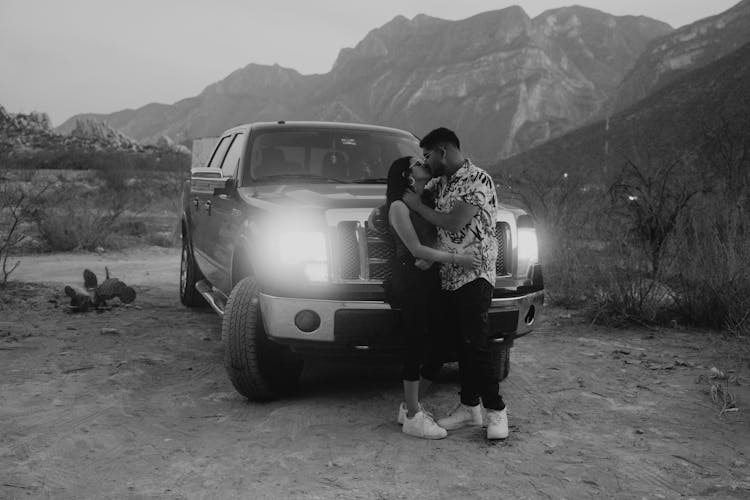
column 426, row 232
column 409, row 284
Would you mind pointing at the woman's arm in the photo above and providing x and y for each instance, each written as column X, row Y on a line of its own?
column 399, row 217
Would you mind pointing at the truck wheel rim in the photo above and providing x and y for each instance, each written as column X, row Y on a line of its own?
column 183, row 269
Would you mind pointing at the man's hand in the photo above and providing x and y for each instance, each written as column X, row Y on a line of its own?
column 411, row 199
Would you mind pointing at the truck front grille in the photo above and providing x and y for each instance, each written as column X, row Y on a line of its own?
column 380, row 251
column 359, row 244
column 348, row 250
column 502, row 233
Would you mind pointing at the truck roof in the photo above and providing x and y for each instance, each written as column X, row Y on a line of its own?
column 302, row 125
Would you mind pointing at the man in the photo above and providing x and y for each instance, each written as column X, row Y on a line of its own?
column 465, row 215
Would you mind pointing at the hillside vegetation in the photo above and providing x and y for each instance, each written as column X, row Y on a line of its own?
column 646, row 215
column 95, row 189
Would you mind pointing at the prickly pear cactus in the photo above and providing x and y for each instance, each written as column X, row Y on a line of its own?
column 96, row 295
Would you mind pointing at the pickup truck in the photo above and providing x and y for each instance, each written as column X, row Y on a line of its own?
column 277, row 239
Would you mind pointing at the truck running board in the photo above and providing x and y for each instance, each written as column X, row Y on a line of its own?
column 213, row 299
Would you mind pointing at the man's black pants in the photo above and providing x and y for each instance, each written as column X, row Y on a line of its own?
column 466, row 314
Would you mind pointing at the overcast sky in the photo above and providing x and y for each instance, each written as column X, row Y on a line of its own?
column 65, row 57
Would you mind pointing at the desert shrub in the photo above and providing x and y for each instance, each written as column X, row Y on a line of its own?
column 132, row 227
column 82, row 217
column 711, row 270
column 167, row 239
column 624, row 288
column 659, row 235
column 713, row 278
column 19, row 197
column 638, row 223
column 563, row 203
column 78, row 158
column 565, row 270
column 74, row 222
column 110, row 210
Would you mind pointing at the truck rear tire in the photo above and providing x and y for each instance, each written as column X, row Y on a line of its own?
column 189, row 276
column 260, row 369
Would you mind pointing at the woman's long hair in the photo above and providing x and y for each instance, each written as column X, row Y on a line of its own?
column 398, row 179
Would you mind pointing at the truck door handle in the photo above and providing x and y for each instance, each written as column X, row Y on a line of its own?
column 207, row 206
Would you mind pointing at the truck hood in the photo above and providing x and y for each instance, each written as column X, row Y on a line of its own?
column 314, row 196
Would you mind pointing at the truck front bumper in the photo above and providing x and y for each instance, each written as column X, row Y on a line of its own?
column 362, row 324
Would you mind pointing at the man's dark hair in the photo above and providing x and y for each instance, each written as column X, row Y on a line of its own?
column 439, row 137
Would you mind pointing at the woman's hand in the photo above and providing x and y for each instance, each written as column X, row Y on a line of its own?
column 423, row 264
column 469, row 260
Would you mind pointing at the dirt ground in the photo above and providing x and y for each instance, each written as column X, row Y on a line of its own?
column 147, row 411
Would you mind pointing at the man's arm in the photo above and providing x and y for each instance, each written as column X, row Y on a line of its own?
column 452, row 221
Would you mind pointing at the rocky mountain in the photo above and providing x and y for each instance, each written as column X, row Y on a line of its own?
column 21, row 133
column 672, row 123
column 669, row 57
column 30, row 133
column 503, row 80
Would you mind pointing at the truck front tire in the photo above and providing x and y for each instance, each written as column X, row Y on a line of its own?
column 260, row 369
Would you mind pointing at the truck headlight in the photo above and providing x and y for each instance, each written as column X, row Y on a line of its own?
column 528, row 247
column 306, row 249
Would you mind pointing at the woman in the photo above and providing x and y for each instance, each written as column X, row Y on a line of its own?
column 415, row 290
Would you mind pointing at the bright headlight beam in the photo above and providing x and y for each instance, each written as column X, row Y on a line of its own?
column 528, row 247
column 316, row 271
column 296, row 247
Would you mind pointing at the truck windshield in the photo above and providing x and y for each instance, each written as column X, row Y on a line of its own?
column 336, row 155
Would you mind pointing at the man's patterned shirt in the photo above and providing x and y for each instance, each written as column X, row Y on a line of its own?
column 472, row 185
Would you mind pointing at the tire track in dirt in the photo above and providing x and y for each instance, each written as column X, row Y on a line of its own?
column 520, row 378
column 649, row 477
column 57, row 477
column 53, row 434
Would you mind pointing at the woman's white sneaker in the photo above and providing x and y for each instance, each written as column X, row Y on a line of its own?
column 422, row 425
column 497, row 424
column 401, row 413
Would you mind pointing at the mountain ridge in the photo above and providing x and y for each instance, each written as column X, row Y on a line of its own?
column 503, row 80
column 690, row 47
column 673, row 122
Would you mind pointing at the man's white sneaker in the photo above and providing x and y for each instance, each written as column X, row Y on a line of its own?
column 422, row 425
column 462, row 416
column 497, row 424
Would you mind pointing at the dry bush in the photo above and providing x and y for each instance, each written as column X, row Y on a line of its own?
column 563, row 204
column 113, row 209
column 18, row 198
column 625, row 290
column 718, row 388
column 566, row 268
column 124, row 203
column 671, row 238
column 711, row 272
column 711, row 269
column 84, row 216
column 75, row 221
